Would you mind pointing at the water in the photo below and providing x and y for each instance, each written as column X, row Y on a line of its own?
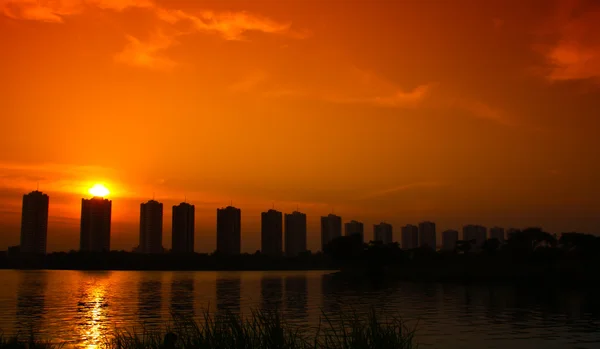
column 80, row 307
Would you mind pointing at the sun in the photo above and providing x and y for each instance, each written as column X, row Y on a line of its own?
column 99, row 190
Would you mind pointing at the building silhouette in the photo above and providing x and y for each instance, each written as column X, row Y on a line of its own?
column 475, row 232
column 229, row 238
column 449, row 239
column 427, row 235
column 331, row 228
column 295, row 233
column 354, row 228
column 383, row 232
column 511, row 231
column 34, row 223
column 95, row 225
column 410, row 237
column 271, row 233
column 183, row 228
column 151, row 224
column 497, row 233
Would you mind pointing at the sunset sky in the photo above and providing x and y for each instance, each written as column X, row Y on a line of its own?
column 483, row 112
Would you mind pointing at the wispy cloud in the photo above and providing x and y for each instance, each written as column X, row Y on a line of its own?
column 483, row 110
column 366, row 87
column 147, row 54
column 65, row 178
column 575, row 55
column 397, row 99
column 39, row 10
column 151, row 54
column 249, row 82
column 230, row 25
column 401, row 188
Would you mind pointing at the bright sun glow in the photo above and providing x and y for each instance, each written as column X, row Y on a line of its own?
column 99, row 190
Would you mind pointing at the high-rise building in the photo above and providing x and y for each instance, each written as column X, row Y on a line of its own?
column 34, row 223
column 449, row 239
column 497, row 233
column 295, row 233
column 427, row 235
column 95, row 225
column 183, row 228
column 383, row 232
column 331, row 228
column 229, row 235
column 355, row 228
column 410, row 237
column 151, row 224
column 271, row 233
column 475, row 232
column 511, row 231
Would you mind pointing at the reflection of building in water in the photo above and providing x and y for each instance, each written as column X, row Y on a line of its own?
column 228, row 292
column 31, row 301
column 182, row 296
column 330, row 288
column 149, row 302
column 296, row 296
column 271, row 291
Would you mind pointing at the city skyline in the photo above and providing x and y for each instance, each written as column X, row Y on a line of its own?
column 96, row 223
column 486, row 116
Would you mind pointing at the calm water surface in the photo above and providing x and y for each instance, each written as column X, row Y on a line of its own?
column 80, row 307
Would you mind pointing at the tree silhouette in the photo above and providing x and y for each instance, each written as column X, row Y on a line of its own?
column 491, row 246
column 464, row 246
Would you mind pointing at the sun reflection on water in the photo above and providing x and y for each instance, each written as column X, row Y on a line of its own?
column 93, row 309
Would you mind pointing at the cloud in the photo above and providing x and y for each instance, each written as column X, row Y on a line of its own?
column 575, row 54
column 484, row 111
column 120, row 5
column 400, row 189
column 40, row 10
column 396, row 99
column 249, row 82
column 230, row 25
column 147, row 54
column 402, row 98
column 54, row 177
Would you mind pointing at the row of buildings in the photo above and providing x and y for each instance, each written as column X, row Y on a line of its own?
column 95, row 229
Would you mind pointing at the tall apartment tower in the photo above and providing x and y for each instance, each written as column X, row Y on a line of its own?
column 449, row 239
column 34, row 223
column 410, row 237
column 295, row 233
column 229, row 237
column 354, row 228
column 183, row 228
column 383, row 232
column 271, row 233
column 497, row 233
column 95, row 225
column 427, row 235
column 331, row 228
column 475, row 232
column 151, row 227
column 511, row 231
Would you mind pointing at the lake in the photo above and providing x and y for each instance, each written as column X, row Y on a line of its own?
column 80, row 307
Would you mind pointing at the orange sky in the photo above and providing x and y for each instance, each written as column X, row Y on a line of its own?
column 454, row 111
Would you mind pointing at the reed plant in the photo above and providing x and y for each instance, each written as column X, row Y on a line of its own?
column 260, row 330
